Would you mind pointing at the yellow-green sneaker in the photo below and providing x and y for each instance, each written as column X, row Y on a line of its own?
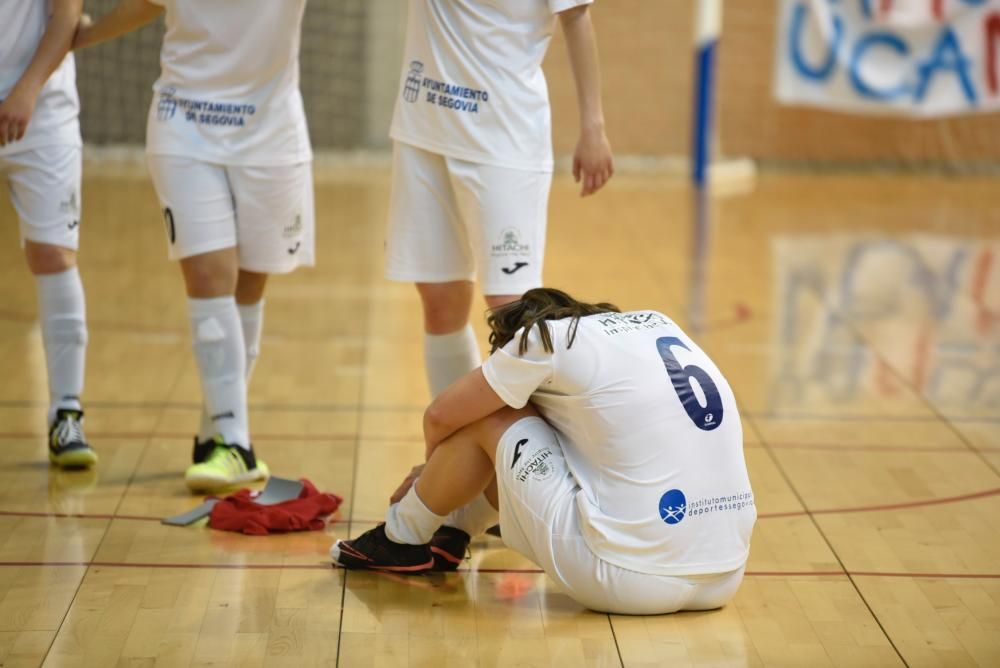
column 68, row 446
column 227, row 465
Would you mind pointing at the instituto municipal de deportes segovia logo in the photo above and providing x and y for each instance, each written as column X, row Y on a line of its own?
column 673, row 506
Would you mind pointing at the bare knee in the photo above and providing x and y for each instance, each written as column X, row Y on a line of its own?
column 210, row 274
column 490, row 429
column 48, row 259
column 250, row 287
column 446, row 305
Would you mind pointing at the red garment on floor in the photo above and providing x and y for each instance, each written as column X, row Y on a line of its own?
column 239, row 512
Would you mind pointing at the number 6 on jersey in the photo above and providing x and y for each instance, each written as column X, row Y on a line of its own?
column 706, row 417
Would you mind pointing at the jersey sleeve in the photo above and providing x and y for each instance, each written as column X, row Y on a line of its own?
column 556, row 6
column 515, row 377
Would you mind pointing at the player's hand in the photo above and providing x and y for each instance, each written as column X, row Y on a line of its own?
column 15, row 114
column 593, row 163
column 405, row 486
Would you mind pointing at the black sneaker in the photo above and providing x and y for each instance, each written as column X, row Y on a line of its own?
column 448, row 547
column 374, row 551
column 68, row 448
column 201, row 450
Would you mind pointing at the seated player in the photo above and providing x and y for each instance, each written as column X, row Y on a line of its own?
column 623, row 478
column 40, row 159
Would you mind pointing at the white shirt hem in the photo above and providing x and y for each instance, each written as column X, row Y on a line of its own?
column 250, row 161
column 39, row 142
column 470, row 156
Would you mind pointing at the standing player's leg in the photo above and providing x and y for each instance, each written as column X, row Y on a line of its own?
column 274, row 220
column 503, row 212
column 250, row 304
column 217, row 336
column 427, row 244
column 450, row 347
column 45, row 187
column 200, row 222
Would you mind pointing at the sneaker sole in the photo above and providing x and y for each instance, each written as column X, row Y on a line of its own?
column 210, row 483
column 445, row 560
column 74, row 459
column 358, row 561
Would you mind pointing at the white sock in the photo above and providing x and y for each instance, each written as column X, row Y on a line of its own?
column 475, row 517
column 62, row 311
column 448, row 357
column 252, row 322
column 410, row 521
column 219, row 350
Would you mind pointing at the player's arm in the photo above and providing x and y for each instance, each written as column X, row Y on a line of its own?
column 593, row 163
column 127, row 16
column 16, row 110
column 467, row 400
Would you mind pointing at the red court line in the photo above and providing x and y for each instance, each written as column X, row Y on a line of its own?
column 323, row 438
column 787, row 513
column 909, row 504
column 968, row 576
column 872, row 447
column 144, row 435
column 887, row 506
column 526, row 571
column 117, row 564
column 785, row 574
column 763, row 516
column 81, row 516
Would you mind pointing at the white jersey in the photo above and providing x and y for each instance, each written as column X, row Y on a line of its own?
column 472, row 85
column 651, row 433
column 55, row 120
column 228, row 90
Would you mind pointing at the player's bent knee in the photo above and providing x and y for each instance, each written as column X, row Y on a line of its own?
column 491, row 428
column 48, row 259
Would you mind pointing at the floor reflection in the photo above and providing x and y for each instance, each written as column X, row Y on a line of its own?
column 862, row 318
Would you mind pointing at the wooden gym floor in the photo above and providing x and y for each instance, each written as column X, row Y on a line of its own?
column 856, row 316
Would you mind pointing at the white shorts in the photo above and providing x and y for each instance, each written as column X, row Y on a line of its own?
column 538, row 518
column 448, row 216
column 45, row 188
column 267, row 213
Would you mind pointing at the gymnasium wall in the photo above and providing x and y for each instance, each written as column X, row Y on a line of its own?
column 352, row 50
column 646, row 52
column 345, row 46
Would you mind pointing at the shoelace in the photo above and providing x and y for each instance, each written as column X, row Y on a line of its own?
column 69, row 431
column 230, row 459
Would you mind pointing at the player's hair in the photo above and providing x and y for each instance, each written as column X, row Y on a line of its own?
column 534, row 308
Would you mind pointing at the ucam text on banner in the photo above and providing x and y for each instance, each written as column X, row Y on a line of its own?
column 907, row 57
